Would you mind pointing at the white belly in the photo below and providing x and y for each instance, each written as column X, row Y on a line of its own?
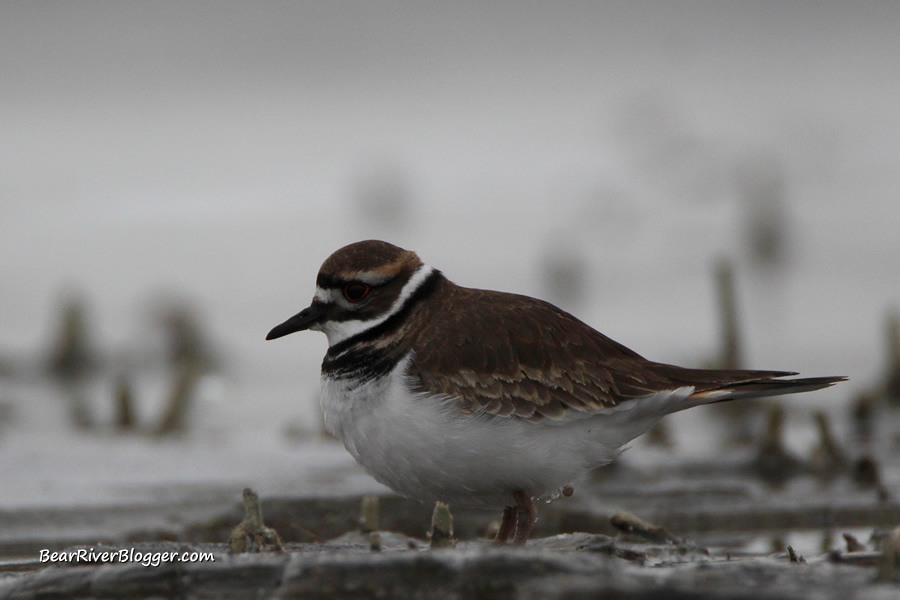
column 423, row 447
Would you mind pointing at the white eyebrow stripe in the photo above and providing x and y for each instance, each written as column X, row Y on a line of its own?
column 372, row 278
column 338, row 331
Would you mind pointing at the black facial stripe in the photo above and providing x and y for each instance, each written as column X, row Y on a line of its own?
column 327, row 282
column 424, row 290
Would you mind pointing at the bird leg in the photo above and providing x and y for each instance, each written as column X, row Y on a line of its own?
column 518, row 520
column 526, row 515
column 507, row 525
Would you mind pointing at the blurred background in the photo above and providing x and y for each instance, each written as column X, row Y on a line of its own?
column 173, row 174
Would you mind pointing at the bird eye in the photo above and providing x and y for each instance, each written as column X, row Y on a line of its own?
column 356, row 291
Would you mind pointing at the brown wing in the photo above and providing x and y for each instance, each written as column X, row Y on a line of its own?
column 525, row 357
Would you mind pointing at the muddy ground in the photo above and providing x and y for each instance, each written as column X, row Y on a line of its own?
column 723, row 532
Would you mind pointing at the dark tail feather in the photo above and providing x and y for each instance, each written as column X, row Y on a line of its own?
column 759, row 388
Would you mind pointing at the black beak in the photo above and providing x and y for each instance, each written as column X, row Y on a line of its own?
column 302, row 321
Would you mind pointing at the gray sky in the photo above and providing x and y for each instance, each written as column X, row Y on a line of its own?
column 215, row 148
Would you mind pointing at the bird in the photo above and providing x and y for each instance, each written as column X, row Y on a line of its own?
column 486, row 399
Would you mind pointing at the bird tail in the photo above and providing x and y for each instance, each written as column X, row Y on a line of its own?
column 762, row 387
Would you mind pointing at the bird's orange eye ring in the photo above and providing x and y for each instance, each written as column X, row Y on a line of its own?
column 356, row 291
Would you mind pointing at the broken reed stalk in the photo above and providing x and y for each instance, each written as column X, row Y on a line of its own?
column 889, row 567
column 892, row 373
column 773, row 462
column 72, row 357
column 635, row 526
column 251, row 535
column 730, row 357
column 368, row 514
column 738, row 416
column 863, row 415
column 441, row 527
column 187, row 342
column 853, row 544
column 174, row 419
column 374, row 542
column 124, row 405
column 794, row 557
column 71, row 360
column 660, row 435
column 828, row 458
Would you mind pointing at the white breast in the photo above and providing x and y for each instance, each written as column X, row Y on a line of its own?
column 423, row 447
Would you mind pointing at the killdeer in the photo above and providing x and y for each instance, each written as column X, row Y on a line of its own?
column 481, row 398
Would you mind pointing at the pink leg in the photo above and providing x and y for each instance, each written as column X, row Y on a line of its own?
column 526, row 515
column 507, row 525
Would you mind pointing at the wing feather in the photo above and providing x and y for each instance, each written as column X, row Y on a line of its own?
column 519, row 356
